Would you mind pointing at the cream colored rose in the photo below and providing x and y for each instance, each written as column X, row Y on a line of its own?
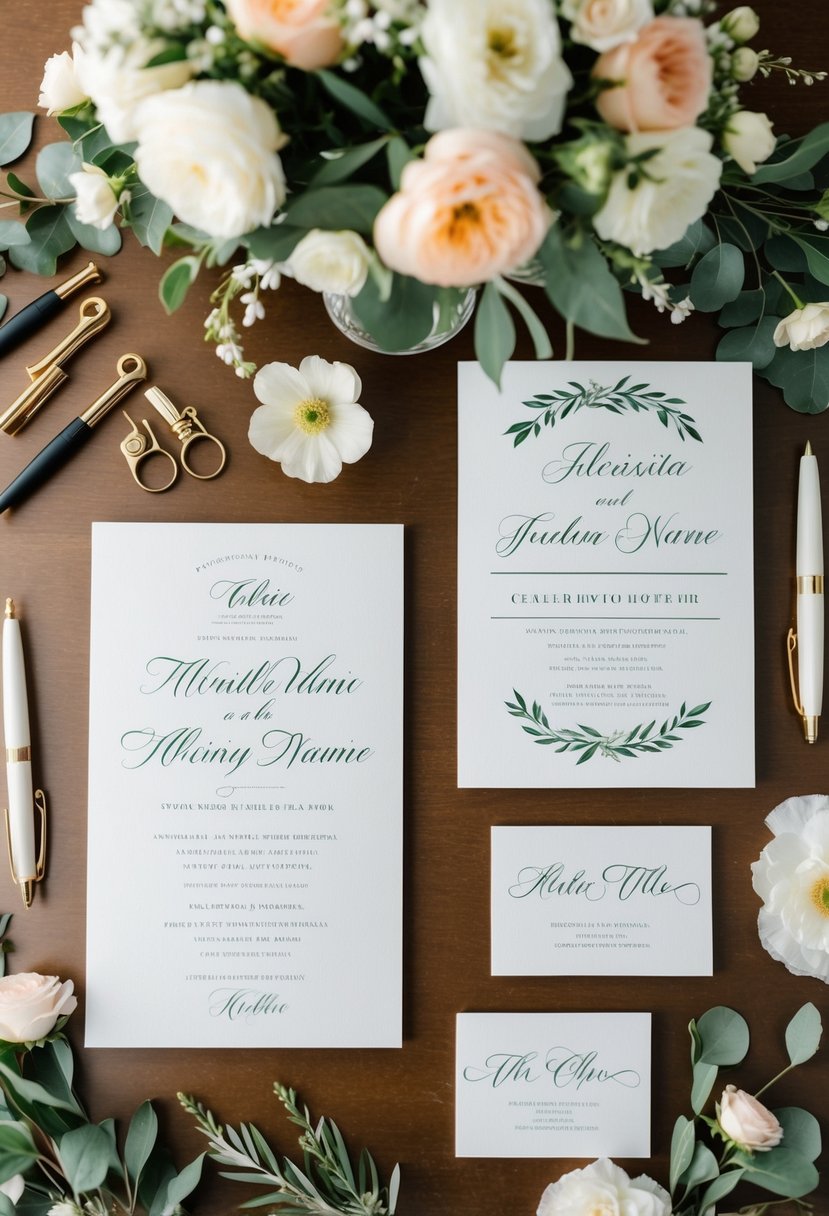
column 662, row 79
column 495, row 64
column 806, row 328
column 303, row 31
column 741, row 24
column 118, row 79
column 747, row 1122
column 744, row 64
column 604, row 24
column 674, row 188
column 749, row 138
column 468, row 211
column 95, row 200
column 60, row 88
column 604, row 1189
column 210, row 151
column 330, row 261
column 30, row 1005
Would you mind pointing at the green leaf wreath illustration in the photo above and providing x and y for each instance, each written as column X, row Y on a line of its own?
column 621, row 398
column 645, row 737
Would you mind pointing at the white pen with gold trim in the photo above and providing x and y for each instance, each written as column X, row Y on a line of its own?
column 26, row 867
column 810, row 609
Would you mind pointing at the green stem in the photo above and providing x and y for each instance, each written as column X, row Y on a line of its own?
column 570, row 349
column 768, row 1084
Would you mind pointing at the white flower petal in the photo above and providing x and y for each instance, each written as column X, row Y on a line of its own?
column 279, row 384
column 336, row 383
column 793, row 814
column 351, row 431
column 314, row 459
column 269, row 429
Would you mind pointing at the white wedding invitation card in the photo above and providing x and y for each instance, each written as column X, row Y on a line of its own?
column 553, row 1085
column 245, row 759
column 601, row 901
column 605, row 606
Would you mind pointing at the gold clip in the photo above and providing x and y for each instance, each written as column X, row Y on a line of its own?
column 188, row 429
column 131, row 370
column 26, row 885
column 810, row 721
column 47, row 375
column 136, row 449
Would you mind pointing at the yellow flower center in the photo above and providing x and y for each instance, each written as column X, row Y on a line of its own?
column 312, row 416
column 502, row 43
column 819, row 895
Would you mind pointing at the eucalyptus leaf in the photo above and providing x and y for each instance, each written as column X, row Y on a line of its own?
column 177, row 281
column 704, row 1076
column 149, row 218
column 698, row 239
column 753, row 344
column 784, row 254
column 4, row 303
column 402, row 319
column 682, row 1150
column 354, row 99
column 398, row 155
column 23, row 1089
column 816, row 251
column 724, row 1035
column 797, row 155
column 184, row 1183
column 801, row 1131
column 49, row 237
column 15, row 135
column 781, row 1170
column 17, row 1150
column 274, row 244
column 54, row 164
column 85, row 1155
column 141, row 1138
column 339, row 167
column 106, row 241
column 541, row 339
column 12, row 232
column 717, row 278
column 337, row 207
column 747, row 307
column 394, row 1189
column 803, row 1034
column 702, row 1168
column 7, row 1208
column 802, row 375
column 494, row 333
column 719, row 1188
column 582, row 287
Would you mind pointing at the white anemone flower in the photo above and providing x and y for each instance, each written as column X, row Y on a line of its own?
column 309, row 420
column 792, row 879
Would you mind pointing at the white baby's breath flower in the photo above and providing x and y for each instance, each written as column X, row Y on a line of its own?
column 791, row 877
column 60, row 88
column 495, row 64
column 310, row 420
column 334, row 262
column 255, row 309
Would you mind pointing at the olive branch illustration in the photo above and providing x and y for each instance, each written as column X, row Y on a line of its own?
column 629, row 744
column 550, row 408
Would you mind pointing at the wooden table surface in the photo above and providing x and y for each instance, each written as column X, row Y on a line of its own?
column 399, row 1103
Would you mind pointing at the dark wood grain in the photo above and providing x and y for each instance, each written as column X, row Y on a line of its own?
column 398, row 1102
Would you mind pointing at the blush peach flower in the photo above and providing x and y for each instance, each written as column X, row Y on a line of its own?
column 664, row 77
column 300, row 30
column 470, row 210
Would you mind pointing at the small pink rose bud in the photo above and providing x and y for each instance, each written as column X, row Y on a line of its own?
column 747, row 1122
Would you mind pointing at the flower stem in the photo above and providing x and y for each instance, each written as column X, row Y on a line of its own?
column 798, row 304
column 571, row 342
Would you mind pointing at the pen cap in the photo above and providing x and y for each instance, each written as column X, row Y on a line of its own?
column 15, row 701
column 809, row 523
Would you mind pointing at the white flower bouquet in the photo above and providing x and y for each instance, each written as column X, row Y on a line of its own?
column 399, row 155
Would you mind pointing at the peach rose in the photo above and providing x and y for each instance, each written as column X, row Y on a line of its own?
column 300, row 30
column 664, row 77
column 470, row 210
column 747, row 1122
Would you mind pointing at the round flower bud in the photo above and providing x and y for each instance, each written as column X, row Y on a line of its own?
column 741, row 24
column 744, row 64
column 749, row 138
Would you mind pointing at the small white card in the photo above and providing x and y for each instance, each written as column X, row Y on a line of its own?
column 601, row 901
column 553, row 1085
column 605, row 585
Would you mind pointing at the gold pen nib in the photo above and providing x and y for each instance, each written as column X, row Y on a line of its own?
column 9, row 608
column 807, row 451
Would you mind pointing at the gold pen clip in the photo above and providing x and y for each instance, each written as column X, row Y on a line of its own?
column 47, row 375
column 188, row 429
column 810, row 721
column 132, row 370
column 26, row 884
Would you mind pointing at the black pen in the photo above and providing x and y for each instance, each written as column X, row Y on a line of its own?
column 35, row 315
column 132, row 370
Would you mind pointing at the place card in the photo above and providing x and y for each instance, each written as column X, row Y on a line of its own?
column 605, row 594
column 553, row 1085
column 601, row 901
column 245, row 794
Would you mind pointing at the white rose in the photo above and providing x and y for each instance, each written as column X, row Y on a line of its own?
column 604, row 1187
column 118, row 79
column 804, row 329
column 494, row 64
column 603, row 24
column 330, row 261
column 749, row 138
column 674, row 188
column 741, row 24
column 30, row 1005
column 210, row 151
column 60, row 88
column 748, row 1122
column 96, row 202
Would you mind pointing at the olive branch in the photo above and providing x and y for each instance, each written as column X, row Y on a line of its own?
column 640, row 398
column 588, row 741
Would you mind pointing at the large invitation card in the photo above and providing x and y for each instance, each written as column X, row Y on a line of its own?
column 245, row 786
column 605, row 608
column 553, row 1085
column 601, row 901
